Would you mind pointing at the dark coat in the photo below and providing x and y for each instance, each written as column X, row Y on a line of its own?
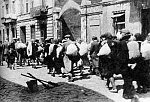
column 93, row 53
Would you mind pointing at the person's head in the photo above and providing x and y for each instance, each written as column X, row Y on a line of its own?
column 67, row 37
column 114, row 37
column 79, row 40
column 108, row 35
column 125, row 34
column 56, row 41
column 37, row 40
column 48, row 40
column 138, row 37
column 94, row 38
column 148, row 37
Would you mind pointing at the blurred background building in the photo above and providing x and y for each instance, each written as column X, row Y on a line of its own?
column 39, row 19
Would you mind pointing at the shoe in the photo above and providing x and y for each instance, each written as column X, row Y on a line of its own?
column 127, row 96
column 114, row 90
column 53, row 74
column 49, row 73
column 63, row 76
column 70, row 80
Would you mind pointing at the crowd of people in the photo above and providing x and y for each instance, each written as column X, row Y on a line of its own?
column 126, row 54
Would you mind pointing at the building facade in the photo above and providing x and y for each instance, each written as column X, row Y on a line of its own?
column 8, row 19
column 35, row 19
column 39, row 19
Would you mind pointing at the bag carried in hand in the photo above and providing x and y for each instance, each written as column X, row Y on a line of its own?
column 104, row 50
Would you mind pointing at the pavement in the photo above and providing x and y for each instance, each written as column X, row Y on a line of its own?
column 92, row 82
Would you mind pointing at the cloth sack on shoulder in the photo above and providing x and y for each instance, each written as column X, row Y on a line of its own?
column 145, row 50
column 134, row 51
column 83, row 49
column 51, row 48
column 104, row 50
column 73, row 53
column 71, row 49
column 21, row 45
column 58, row 50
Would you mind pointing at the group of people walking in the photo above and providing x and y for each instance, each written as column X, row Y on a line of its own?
column 124, row 54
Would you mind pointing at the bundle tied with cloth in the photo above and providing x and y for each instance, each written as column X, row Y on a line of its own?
column 72, row 50
column 105, row 49
column 145, row 48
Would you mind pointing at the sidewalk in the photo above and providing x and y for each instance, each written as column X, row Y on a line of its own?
column 91, row 82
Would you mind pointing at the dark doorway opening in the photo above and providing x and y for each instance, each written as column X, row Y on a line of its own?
column 43, row 29
column 23, row 34
column 13, row 32
column 71, row 23
column 145, row 19
column 7, row 30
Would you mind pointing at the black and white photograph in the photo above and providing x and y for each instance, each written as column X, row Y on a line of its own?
column 74, row 50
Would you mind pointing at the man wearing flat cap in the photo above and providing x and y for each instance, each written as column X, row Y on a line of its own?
column 67, row 62
column 125, row 34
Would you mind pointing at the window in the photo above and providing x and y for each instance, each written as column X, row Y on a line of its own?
column 7, row 11
column 27, row 8
column 118, row 21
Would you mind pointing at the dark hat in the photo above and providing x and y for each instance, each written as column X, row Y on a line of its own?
column 67, row 36
column 94, row 38
column 48, row 38
column 107, row 35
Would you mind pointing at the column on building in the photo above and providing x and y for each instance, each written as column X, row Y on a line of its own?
column 50, row 26
column 56, row 11
column 37, row 30
column 10, row 32
column 28, row 33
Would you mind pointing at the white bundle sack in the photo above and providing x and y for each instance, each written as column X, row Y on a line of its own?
column 40, row 48
column 71, row 48
column 29, row 49
column 21, row 45
column 104, row 50
column 83, row 48
column 145, row 50
column 133, row 47
column 51, row 48
column 58, row 50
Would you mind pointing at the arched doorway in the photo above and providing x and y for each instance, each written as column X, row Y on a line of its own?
column 70, row 20
column 71, row 23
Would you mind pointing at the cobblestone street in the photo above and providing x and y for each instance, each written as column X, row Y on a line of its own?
column 90, row 82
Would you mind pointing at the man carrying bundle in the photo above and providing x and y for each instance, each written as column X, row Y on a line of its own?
column 71, row 56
